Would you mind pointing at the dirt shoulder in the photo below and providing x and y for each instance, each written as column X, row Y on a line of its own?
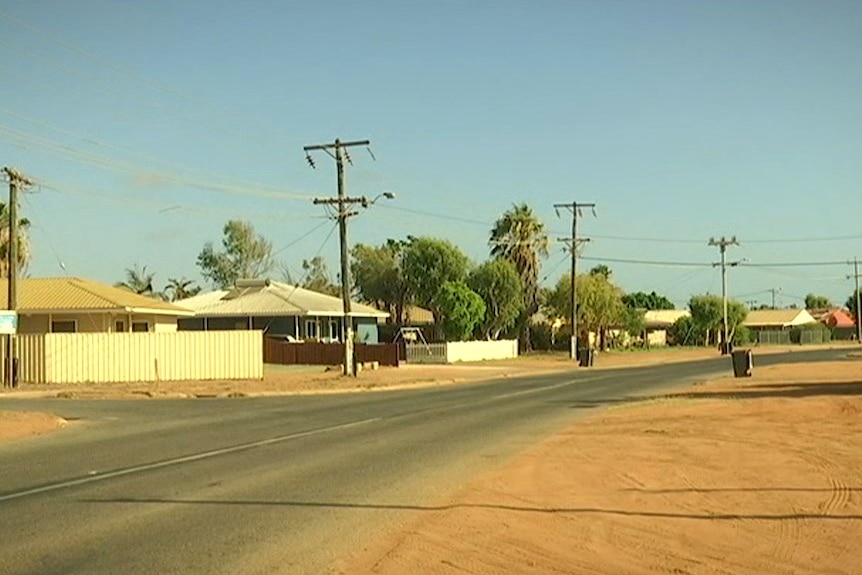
column 745, row 476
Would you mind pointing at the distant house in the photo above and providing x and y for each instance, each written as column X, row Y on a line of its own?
column 841, row 322
column 777, row 319
column 773, row 326
column 77, row 305
column 838, row 318
column 657, row 322
column 280, row 310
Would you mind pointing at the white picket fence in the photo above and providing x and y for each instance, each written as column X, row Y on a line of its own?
column 459, row 351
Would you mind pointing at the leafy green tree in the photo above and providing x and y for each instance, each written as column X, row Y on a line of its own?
column 600, row 304
column 852, row 302
column 317, row 277
column 24, row 249
column 649, row 301
column 181, row 288
column 427, row 264
column 707, row 314
column 520, row 237
column 462, row 310
column 813, row 301
column 601, row 270
column 246, row 255
column 138, row 280
column 685, row 331
column 378, row 277
column 499, row 285
column 633, row 321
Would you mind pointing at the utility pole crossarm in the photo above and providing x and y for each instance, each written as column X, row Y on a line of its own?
column 722, row 244
column 343, row 201
column 336, row 144
column 573, row 242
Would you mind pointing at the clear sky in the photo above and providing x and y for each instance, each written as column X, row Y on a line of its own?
column 150, row 124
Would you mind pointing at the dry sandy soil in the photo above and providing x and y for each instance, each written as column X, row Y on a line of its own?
column 736, row 476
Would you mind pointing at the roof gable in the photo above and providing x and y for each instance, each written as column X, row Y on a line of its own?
column 267, row 297
column 79, row 294
column 778, row 318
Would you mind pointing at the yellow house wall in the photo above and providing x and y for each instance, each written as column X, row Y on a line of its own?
column 95, row 322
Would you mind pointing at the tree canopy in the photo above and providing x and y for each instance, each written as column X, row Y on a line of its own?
column 814, row 301
column 649, row 301
column 138, row 280
column 462, row 310
column 378, row 278
column 520, row 237
column 498, row 284
column 317, row 277
column 600, row 302
column 707, row 316
column 181, row 288
column 852, row 302
column 24, row 248
column 245, row 255
column 427, row 264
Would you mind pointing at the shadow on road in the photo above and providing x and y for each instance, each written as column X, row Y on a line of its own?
column 743, row 490
column 778, row 390
column 789, row 390
column 514, row 508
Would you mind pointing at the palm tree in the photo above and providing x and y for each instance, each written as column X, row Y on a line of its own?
column 138, row 280
column 182, row 288
column 519, row 237
column 24, row 252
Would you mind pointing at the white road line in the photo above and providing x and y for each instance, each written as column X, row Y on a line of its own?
column 178, row 460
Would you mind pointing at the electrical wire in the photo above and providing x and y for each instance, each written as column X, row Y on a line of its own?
column 142, row 155
column 302, row 237
column 646, row 262
column 143, row 173
column 164, row 208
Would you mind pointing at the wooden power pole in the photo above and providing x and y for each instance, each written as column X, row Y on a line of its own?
column 343, row 203
column 574, row 242
column 722, row 244
column 16, row 182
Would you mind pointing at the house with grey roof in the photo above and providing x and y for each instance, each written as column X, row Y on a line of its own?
column 279, row 310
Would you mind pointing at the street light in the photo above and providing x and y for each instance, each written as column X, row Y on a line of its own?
column 366, row 202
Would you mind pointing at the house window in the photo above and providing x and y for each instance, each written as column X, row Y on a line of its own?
column 64, row 326
column 140, row 326
column 311, row 329
column 119, row 326
column 333, row 330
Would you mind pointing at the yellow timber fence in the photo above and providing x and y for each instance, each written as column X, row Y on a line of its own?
column 131, row 357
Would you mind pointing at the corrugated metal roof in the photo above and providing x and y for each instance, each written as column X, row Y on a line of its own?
column 778, row 318
column 271, row 298
column 78, row 294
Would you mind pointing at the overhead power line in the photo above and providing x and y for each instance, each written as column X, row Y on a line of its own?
column 141, row 172
column 147, row 157
column 647, row 262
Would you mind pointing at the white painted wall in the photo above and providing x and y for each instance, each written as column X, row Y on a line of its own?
column 481, row 350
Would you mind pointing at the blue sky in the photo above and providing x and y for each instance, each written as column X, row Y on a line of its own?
column 680, row 120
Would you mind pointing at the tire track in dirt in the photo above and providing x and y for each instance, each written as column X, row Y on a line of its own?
column 839, row 492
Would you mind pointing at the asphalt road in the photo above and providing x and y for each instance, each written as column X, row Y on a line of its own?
column 276, row 485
